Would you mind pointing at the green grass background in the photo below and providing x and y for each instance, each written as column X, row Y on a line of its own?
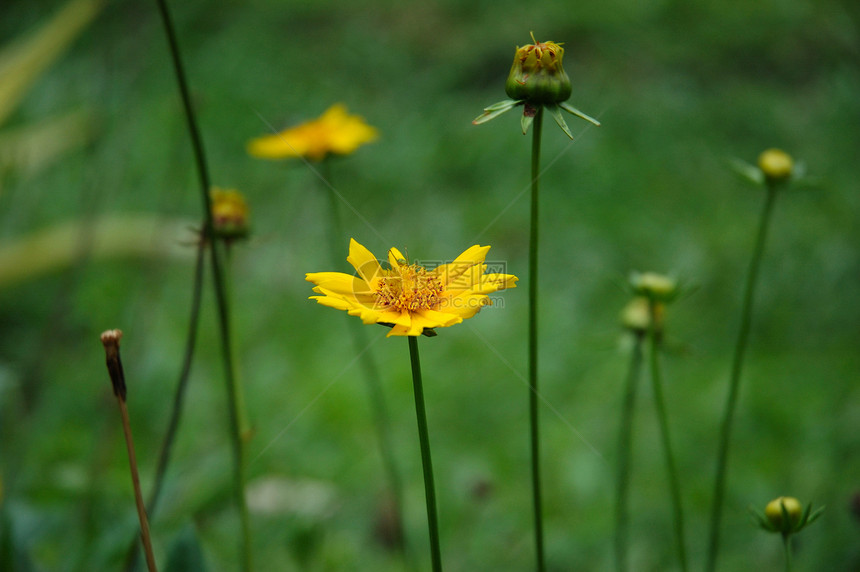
column 680, row 87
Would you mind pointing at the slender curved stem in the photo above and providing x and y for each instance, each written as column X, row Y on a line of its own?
column 426, row 461
column 786, row 543
column 368, row 364
column 238, row 395
column 138, row 495
column 625, row 446
column 178, row 400
column 220, row 290
column 734, row 380
column 533, row 343
column 671, row 468
column 182, row 384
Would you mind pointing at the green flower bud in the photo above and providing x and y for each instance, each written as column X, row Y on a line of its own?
column 636, row 315
column 785, row 516
column 653, row 286
column 773, row 512
column 776, row 165
column 537, row 75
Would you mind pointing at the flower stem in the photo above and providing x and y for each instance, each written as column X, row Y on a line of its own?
column 110, row 341
column 786, row 543
column 671, row 469
column 179, row 396
column 426, row 462
column 178, row 400
column 238, row 396
column 734, row 380
column 533, row 344
column 138, row 495
column 220, row 290
column 625, row 446
column 368, row 364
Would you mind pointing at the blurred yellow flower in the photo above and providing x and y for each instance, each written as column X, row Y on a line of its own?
column 230, row 217
column 408, row 297
column 334, row 132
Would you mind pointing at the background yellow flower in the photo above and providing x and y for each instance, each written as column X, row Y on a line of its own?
column 334, row 132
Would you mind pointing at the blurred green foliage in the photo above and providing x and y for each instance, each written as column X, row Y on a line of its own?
column 680, row 88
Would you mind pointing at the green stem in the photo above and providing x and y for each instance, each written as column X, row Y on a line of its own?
column 426, row 461
column 625, row 446
column 219, row 286
column 336, row 238
column 533, row 343
column 786, row 543
column 238, row 395
column 368, row 364
column 671, row 469
column 179, row 396
column 735, row 378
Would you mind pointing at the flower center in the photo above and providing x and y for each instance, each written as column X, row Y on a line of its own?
column 408, row 288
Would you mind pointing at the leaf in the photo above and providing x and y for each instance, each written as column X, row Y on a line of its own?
column 7, row 548
column 12, row 558
column 556, row 114
column 814, row 516
column 30, row 148
column 23, row 62
column 747, row 171
column 571, row 109
column 526, row 122
column 495, row 110
column 185, row 554
column 64, row 244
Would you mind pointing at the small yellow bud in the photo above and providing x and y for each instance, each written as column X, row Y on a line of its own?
column 229, row 214
column 776, row 164
column 654, row 286
column 537, row 75
column 636, row 315
column 773, row 512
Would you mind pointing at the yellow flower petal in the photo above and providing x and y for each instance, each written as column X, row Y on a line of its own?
column 338, row 282
column 470, row 261
column 396, row 258
column 364, row 262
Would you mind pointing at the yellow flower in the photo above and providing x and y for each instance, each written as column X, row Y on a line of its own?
column 334, row 132
column 408, row 297
column 229, row 213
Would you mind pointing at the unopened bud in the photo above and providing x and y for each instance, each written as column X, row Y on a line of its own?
column 776, row 165
column 230, row 217
column 774, row 513
column 654, row 286
column 110, row 341
column 537, row 75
